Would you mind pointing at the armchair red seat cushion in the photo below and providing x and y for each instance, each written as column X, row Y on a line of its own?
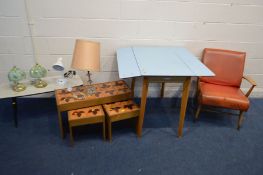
column 223, row 96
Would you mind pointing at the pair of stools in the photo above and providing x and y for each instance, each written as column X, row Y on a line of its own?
column 109, row 113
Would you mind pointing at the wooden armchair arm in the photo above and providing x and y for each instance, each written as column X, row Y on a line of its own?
column 252, row 82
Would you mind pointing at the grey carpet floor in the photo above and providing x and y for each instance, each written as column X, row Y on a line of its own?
column 210, row 146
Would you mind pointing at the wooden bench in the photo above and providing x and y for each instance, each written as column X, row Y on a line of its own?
column 85, row 116
column 120, row 111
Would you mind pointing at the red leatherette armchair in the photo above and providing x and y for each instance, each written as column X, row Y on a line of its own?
column 223, row 90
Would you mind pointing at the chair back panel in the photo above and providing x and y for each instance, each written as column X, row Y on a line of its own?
column 227, row 65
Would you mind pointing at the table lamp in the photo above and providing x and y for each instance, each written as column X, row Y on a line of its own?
column 86, row 57
column 15, row 75
column 59, row 66
column 38, row 72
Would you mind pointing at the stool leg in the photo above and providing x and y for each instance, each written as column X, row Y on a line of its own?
column 103, row 129
column 71, row 136
column 109, row 129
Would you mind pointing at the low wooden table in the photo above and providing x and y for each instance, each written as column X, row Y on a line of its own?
column 7, row 92
column 120, row 111
column 105, row 93
column 85, row 116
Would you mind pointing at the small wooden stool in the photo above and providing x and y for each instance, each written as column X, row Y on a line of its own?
column 120, row 111
column 85, row 116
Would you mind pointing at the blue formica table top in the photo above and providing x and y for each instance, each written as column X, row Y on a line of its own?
column 159, row 61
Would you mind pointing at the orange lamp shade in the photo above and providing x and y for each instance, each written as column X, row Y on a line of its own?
column 86, row 55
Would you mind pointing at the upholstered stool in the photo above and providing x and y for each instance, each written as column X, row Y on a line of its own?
column 84, row 116
column 120, row 111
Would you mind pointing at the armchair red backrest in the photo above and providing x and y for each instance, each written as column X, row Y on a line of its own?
column 227, row 65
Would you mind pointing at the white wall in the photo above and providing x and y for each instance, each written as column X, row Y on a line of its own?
column 194, row 24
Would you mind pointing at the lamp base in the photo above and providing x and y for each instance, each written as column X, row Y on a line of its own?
column 79, row 95
column 40, row 83
column 90, row 90
column 18, row 87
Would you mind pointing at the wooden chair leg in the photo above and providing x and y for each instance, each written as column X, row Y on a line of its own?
column 71, row 136
column 198, row 111
column 103, row 130
column 109, row 129
column 240, row 119
column 162, row 90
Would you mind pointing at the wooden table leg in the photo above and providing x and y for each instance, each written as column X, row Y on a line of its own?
column 184, row 100
column 71, row 135
column 15, row 110
column 132, row 86
column 143, row 105
column 61, row 125
column 109, row 129
column 103, row 129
